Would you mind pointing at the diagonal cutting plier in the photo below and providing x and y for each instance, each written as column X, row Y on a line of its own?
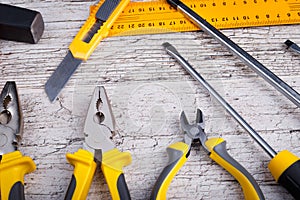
column 215, row 147
column 13, row 165
column 98, row 148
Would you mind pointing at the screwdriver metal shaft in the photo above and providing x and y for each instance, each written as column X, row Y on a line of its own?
column 256, row 66
column 174, row 53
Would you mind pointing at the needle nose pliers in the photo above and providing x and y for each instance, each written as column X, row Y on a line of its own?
column 216, row 149
column 13, row 165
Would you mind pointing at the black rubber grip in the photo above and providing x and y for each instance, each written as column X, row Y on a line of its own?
column 123, row 188
column 290, row 179
column 161, row 179
column 71, row 188
column 106, row 9
column 20, row 24
column 17, row 192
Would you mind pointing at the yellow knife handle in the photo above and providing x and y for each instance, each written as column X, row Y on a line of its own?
column 177, row 153
column 285, row 168
column 84, row 170
column 112, row 163
column 81, row 49
column 217, row 147
column 13, row 167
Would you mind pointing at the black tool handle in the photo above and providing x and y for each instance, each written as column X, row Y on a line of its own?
column 20, row 24
column 285, row 168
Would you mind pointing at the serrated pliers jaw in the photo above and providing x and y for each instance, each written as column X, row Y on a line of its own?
column 11, row 120
column 99, row 124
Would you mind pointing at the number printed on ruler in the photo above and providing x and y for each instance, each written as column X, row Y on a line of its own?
column 159, row 17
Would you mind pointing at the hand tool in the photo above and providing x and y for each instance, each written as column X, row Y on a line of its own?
column 13, row 165
column 98, row 147
column 216, row 149
column 256, row 66
column 284, row 166
column 96, row 28
column 291, row 45
column 152, row 17
column 20, row 24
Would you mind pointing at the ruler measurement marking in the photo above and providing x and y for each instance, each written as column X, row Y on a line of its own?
column 145, row 17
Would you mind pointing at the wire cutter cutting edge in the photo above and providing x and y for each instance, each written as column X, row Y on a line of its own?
column 216, row 149
column 98, row 148
column 13, row 165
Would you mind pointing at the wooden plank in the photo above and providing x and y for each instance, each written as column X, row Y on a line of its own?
column 148, row 90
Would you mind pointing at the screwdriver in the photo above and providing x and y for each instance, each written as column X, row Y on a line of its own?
column 256, row 66
column 284, row 166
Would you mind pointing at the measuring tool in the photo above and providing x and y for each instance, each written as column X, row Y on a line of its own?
column 159, row 17
column 116, row 18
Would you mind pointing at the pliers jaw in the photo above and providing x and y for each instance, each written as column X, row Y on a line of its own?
column 193, row 132
column 11, row 120
column 99, row 124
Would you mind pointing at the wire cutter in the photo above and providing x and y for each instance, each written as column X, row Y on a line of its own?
column 13, row 165
column 216, row 149
column 98, row 148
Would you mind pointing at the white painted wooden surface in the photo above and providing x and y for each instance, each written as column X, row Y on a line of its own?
column 148, row 90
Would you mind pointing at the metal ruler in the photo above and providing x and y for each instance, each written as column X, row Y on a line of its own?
column 159, row 17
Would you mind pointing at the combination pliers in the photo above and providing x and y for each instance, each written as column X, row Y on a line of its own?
column 98, row 148
column 216, row 149
column 13, row 165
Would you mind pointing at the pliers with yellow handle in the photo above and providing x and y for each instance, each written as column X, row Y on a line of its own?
column 13, row 165
column 98, row 148
column 216, row 149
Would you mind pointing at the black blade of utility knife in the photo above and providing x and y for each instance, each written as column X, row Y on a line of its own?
column 69, row 64
column 61, row 76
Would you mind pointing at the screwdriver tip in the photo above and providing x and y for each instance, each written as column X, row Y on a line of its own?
column 288, row 43
column 169, row 48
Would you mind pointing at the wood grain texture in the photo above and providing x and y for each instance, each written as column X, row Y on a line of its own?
column 148, row 90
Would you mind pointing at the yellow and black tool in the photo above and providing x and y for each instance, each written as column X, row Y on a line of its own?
column 152, row 17
column 13, row 165
column 95, row 29
column 121, row 17
column 98, row 147
column 284, row 166
column 215, row 147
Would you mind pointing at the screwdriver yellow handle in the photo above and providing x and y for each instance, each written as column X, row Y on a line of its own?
column 177, row 153
column 218, row 153
column 285, row 168
column 13, row 167
column 112, row 163
column 84, row 170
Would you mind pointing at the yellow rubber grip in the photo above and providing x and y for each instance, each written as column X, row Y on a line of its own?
column 217, row 147
column 112, row 164
column 13, row 167
column 177, row 154
column 281, row 162
column 82, row 50
column 84, row 170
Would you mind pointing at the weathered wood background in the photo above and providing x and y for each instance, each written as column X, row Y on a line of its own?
column 148, row 90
